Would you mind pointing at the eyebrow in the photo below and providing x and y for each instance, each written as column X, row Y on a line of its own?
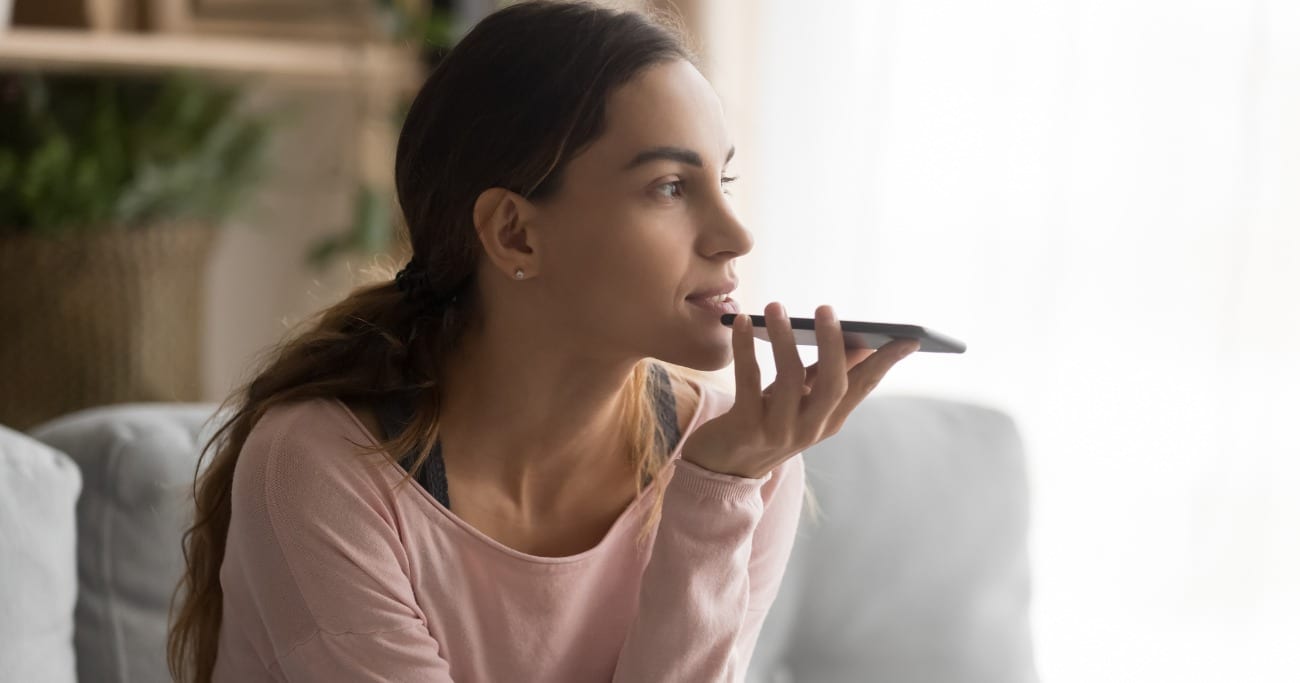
column 686, row 156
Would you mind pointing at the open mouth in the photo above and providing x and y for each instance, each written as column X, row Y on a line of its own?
column 715, row 304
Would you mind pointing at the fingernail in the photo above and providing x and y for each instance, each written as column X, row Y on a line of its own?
column 782, row 309
column 742, row 322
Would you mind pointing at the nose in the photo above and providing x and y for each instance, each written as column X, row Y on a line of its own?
column 726, row 235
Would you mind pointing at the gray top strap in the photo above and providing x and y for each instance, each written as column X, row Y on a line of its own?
column 394, row 411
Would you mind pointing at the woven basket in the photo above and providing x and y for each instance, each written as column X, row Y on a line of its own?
column 111, row 316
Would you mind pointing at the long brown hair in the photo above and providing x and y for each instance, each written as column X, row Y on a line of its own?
column 518, row 97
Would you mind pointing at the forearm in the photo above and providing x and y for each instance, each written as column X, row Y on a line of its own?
column 695, row 590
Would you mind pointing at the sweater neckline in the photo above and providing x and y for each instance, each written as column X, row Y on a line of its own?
column 440, row 514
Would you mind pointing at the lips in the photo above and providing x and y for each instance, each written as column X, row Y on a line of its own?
column 715, row 300
column 723, row 288
column 715, row 306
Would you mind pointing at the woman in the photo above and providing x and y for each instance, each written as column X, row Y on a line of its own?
column 562, row 174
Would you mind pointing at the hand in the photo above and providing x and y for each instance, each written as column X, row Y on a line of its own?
column 802, row 407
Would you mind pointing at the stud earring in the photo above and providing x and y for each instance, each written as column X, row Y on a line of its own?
column 519, row 273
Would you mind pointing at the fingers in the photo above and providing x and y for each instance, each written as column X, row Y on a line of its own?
column 851, row 358
column 787, row 390
column 854, row 356
column 831, row 383
column 749, row 381
column 864, row 377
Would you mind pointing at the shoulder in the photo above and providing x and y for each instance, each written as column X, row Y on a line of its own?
column 302, row 452
column 318, row 425
column 697, row 392
column 714, row 400
column 315, row 539
column 693, row 392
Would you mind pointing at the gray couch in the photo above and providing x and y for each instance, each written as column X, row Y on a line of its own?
column 917, row 572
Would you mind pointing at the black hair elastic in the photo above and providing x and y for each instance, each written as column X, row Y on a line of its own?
column 417, row 286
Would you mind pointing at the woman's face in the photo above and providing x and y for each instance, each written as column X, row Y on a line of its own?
column 641, row 221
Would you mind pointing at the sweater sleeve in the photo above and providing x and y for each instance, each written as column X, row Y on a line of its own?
column 714, row 571
column 318, row 562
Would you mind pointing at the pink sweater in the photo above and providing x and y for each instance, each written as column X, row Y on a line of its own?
column 332, row 574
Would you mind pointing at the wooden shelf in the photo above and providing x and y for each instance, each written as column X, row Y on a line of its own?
column 337, row 63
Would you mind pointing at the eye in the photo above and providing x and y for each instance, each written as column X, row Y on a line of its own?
column 676, row 183
column 679, row 184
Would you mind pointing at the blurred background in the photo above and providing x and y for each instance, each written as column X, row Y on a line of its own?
column 1101, row 198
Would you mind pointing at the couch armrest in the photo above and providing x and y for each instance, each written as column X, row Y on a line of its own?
column 38, row 560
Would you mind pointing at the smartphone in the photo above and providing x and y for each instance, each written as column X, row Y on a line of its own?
column 860, row 335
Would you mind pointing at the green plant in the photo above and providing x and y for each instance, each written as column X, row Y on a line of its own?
column 430, row 24
column 80, row 152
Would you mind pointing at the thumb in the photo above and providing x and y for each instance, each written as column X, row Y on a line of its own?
column 851, row 358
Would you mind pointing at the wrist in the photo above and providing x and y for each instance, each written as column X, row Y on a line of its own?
column 718, row 465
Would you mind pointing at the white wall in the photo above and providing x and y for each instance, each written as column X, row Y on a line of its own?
column 258, row 283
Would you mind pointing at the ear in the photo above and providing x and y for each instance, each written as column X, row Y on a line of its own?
column 504, row 221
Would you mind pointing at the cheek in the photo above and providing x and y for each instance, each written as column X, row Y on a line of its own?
column 653, row 263
column 632, row 275
column 622, row 258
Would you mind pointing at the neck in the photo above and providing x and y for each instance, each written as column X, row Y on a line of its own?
column 539, row 423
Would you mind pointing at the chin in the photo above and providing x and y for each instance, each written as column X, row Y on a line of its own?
column 706, row 358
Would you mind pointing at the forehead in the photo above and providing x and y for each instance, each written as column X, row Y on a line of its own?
column 667, row 104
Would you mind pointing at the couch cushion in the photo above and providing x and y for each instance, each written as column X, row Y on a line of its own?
column 138, row 464
column 38, row 560
column 918, row 570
